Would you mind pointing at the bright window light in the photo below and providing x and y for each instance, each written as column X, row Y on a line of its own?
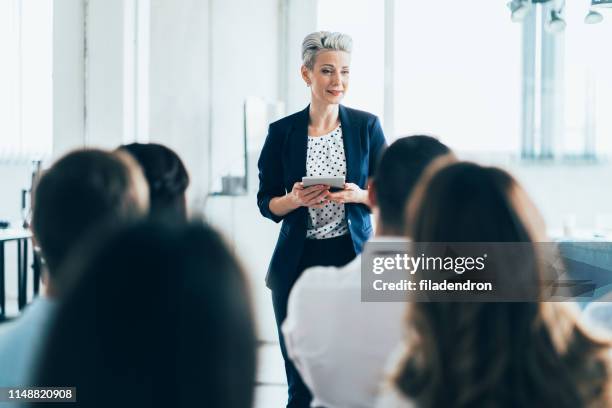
column 26, row 38
column 458, row 74
column 588, row 83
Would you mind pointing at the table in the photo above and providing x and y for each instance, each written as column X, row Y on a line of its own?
column 22, row 236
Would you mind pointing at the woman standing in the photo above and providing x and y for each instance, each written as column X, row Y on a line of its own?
column 319, row 227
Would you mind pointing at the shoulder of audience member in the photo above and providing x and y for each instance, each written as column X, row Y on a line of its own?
column 329, row 278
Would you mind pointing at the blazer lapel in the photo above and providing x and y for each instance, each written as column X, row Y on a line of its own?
column 350, row 138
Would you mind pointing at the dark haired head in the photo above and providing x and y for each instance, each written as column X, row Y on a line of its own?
column 167, row 176
column 494, row 354
column 82, row 190
column 159, row 316
column 397, row 173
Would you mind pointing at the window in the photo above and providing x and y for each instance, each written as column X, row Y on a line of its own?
column 458, row 74
column 26, row 39
column 588, row 84
column 363, row 20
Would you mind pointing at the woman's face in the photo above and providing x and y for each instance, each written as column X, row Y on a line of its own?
column 329, row 78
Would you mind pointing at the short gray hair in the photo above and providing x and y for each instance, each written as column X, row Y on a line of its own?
column 321, row 41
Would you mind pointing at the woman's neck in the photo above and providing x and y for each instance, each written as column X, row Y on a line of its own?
column 323, row 117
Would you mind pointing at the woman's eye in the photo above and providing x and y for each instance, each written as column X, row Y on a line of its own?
column 326, row 71
column 345, row 72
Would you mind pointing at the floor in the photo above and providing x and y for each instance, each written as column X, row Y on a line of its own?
column 271, row 385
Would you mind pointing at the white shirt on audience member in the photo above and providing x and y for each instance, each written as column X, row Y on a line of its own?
column 20, row 342
column 338, row 343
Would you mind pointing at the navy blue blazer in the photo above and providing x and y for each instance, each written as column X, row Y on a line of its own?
column 282, row 163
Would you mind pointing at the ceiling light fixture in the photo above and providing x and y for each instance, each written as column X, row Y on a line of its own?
column 556, row 24
column 519, row 10
column 593, row 17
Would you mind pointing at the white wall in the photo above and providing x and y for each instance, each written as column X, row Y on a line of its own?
column 179, row 84
column 245, row 62
column 301, row 20
column 206, row 58
column 68, row 76
column 104, row 73
column 88, row 74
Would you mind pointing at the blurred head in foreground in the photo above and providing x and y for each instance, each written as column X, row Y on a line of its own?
column 167, row 177
column 82, row 191
column 397, row 173
column 502, row 354
column 161, row 316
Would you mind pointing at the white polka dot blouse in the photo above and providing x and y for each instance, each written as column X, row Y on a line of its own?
column 325, row 157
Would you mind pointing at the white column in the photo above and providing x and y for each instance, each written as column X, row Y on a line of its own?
column 179, row 84
column 68, row 75
column 553, row 118
column 529, row 81
column 104, row 89
column 301, row 21
column 389, row 87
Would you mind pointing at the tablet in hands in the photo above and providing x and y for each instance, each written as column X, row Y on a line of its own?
column 333, row 182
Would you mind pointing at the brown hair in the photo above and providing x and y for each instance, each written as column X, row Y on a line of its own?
column 167, row 177
column 82, row 190
column 493, row 354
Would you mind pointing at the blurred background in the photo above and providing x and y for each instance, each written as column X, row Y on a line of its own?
column 525, row 85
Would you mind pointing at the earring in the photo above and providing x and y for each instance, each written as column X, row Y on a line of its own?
column 308, row 84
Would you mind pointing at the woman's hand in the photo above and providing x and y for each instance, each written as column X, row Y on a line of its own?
column 312, row 196
column 351, row 194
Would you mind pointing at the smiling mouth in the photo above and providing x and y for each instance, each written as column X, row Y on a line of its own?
column 335, row 93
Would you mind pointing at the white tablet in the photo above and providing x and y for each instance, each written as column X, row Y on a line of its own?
column 334, row 182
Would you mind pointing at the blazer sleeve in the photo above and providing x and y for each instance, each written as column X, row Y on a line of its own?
column 270, row 174
column 377, row 145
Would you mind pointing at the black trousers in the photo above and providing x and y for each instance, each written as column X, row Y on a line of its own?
column 317, row 252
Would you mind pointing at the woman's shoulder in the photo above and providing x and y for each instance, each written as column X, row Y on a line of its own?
column 359, row 115
column 288, row 121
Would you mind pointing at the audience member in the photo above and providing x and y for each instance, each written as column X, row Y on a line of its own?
column 167, row 176
column 339, row 344
column 160, row 317
column 80, row 191
column 473, row 354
